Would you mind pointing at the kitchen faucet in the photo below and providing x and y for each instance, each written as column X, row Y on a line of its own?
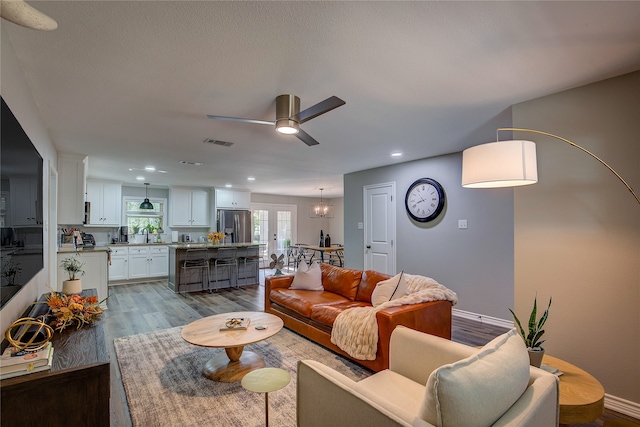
column 147, row 234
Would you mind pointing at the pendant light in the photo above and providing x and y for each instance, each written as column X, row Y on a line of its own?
column 146, row 204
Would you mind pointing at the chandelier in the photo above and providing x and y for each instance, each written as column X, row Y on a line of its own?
column 322, row 209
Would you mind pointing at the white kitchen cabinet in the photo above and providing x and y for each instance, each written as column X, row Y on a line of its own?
column 95, row 268
column 138, row 262
column 119, row 267
column 71, row 188
column 189, row 207
column 105, row 200
column 23, row 200
column 232, row 199
column 158, row 261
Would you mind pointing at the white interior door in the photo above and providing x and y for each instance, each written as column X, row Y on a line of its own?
column 379, row 228
column 274, row 227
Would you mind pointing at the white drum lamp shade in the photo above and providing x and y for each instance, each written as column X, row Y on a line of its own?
column 500, row 164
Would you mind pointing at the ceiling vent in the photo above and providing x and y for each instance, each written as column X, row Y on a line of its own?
column 187, row 162
column 218, row 142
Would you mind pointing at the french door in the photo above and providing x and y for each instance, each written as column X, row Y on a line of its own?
column 274, row 227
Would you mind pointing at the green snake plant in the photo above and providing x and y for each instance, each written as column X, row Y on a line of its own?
column 532, row 339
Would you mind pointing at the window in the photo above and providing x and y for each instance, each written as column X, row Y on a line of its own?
column 139, row 219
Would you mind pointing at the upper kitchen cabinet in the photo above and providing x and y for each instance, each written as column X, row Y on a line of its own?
column 189, row 207
column 24, row 200
column 232, row 199
column 71, row 188
column 104, row 203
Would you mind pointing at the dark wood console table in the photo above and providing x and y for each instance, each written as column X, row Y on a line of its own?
column 75, row 391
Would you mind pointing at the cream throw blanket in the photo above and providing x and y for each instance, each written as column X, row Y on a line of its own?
column 355, row 330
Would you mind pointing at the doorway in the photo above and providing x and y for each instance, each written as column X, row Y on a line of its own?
column 380, row 227
column 274, row 228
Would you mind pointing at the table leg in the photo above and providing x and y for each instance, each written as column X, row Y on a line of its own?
column 266, row 409
column 232, row 365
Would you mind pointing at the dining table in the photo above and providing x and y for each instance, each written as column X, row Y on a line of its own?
column 339, row 250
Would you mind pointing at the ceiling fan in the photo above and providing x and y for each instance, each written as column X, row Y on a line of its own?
column 289, row 117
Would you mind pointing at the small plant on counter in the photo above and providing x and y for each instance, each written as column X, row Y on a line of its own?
column 10, row 270
column 73, row 266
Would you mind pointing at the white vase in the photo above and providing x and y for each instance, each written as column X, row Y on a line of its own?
column 70, row 287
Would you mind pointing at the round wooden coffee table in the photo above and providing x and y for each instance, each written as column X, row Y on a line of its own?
column 236, row 363
column 581, row 395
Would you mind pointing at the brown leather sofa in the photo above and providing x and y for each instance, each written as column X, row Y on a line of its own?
column 312, row 313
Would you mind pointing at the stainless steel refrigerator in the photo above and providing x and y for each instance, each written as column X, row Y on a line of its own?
column 236, row 225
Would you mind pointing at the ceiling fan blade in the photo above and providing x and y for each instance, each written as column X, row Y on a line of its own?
column 236, row 119
column 320, row 108
column 306, row 138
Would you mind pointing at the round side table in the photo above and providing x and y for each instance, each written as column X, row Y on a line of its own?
column 265, row 380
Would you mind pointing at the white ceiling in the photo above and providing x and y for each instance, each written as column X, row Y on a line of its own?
column 129, row 83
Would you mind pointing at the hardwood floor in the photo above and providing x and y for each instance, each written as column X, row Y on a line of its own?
column 150, row 306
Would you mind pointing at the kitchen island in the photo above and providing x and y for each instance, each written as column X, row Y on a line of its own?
column 192, row 279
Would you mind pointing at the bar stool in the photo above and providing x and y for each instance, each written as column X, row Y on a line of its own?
column 250, row 263
column 227, row 260
column 195, row 259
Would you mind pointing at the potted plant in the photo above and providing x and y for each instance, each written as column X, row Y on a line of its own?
column 10, row 270
column 532, row 337
column 73, row 267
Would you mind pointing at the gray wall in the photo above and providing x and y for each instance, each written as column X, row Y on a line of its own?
column 577, row 234
column 477, row 263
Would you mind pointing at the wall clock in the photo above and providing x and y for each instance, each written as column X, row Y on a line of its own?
column 424, row 200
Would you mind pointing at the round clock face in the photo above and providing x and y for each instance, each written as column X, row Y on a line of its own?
column 424, row 200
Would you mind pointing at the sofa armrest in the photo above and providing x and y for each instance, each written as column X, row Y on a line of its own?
column 430, row 317
column 408, row 345
column 275, row 282
column 325, row 397
column 538, row 405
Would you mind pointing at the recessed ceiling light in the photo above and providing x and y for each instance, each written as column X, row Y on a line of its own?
column 396, row 154
column 251, row 178
column 228, row 185
column 150, row 168
column 140, row 178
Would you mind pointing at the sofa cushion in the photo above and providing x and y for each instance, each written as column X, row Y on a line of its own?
column 308, row 277
column 389, row 289
column 370, row 279
column 479, row 389
column 339, row 280
column 301, row 301
column 326, row 314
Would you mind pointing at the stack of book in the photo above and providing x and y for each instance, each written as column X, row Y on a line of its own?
column 14, row 363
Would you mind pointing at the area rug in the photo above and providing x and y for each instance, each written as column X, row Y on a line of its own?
column 164, row 385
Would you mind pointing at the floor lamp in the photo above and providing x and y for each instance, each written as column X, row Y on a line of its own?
column 512, row 163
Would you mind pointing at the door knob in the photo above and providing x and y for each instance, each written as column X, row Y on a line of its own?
column 368, row 246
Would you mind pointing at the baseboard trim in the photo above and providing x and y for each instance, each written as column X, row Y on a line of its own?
column 484, row 319
column 622, row 406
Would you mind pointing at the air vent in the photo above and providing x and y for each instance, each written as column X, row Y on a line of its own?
column 218, row 142
column 187, row 162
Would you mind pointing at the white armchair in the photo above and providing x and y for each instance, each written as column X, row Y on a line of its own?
column 432, row 381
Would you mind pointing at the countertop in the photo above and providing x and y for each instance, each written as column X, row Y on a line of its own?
column 83, row 249
column 211, row 245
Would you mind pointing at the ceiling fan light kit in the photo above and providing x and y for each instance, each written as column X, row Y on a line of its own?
column 289, row 117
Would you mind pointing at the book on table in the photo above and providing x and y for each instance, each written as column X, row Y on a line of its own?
column 14, row 363
column 235, row 324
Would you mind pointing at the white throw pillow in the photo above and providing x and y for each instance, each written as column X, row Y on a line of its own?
column 389, row 289
column 309, row 278
column 478, row 390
